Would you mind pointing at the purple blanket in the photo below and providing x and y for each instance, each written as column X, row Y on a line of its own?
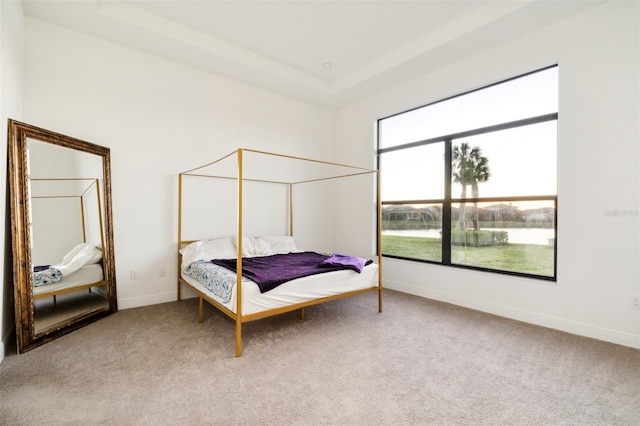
column 271, row 271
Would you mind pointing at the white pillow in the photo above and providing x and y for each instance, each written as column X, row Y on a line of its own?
column 281, row 244
column 81, row 255
column 218, row 248
column 254, row 246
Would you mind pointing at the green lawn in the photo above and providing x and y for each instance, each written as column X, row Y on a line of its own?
column 528, row 258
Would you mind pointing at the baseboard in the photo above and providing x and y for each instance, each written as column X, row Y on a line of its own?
column 580, row 329
column 136, row 302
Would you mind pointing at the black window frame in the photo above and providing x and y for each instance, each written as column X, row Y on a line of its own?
column 449, row 200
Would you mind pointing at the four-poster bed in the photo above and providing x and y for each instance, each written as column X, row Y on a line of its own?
column 81, row 267
column 221, row 282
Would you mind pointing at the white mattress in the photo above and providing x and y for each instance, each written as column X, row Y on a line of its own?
column 295, row 291
column 88, row 274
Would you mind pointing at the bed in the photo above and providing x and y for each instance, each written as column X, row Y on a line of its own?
column 225, row 271
column 80, row 269
column 66, row 213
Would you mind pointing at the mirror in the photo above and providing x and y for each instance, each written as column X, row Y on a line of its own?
column 62, row 233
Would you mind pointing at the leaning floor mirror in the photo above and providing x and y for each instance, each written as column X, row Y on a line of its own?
column 62, row 233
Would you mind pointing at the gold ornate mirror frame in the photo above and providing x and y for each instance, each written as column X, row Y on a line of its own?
column 73, row 302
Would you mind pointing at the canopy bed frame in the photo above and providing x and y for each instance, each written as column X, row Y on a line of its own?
column 88, row 276
column 276, row 169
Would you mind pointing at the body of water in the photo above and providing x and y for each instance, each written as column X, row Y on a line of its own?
column 516, row 235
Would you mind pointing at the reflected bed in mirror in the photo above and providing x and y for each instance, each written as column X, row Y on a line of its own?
column 60, row 193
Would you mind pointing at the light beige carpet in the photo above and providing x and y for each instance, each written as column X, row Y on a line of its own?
column 418, row 363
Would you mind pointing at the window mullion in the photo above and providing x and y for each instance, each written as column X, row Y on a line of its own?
column 446, row 206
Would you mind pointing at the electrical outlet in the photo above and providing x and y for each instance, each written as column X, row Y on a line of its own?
column 162, row 272
column 635, row 302
column 133, row 274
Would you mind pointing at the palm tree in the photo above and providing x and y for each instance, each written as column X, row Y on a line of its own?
column 480, row 174
column 462, row 175
column 470, row 168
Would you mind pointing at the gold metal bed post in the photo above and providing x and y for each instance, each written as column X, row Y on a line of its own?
column 84, row 226
column 291, row 229
column 180, row 229
column 291, row 210
column 239, row 262
column 379, row 211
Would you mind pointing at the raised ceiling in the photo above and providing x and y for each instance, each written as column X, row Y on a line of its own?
column 330, row 53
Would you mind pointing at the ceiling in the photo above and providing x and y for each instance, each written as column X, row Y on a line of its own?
column 331, row 53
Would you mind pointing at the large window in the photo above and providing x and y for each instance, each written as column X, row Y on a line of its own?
column 470, row 181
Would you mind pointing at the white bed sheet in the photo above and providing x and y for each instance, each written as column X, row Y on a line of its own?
column 88, row 274
column 296, row 291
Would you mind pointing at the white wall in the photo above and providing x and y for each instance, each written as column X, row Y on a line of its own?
column 11, row 44
column 158, row 118
column 598, row 54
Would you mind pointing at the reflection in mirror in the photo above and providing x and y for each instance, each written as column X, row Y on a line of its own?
column 62, row 233
column 66, row 249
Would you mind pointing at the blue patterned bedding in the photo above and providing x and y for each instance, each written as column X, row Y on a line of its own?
column 46, row 276
column 216, row 279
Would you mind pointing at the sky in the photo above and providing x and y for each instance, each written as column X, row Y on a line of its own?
column 522, row 161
